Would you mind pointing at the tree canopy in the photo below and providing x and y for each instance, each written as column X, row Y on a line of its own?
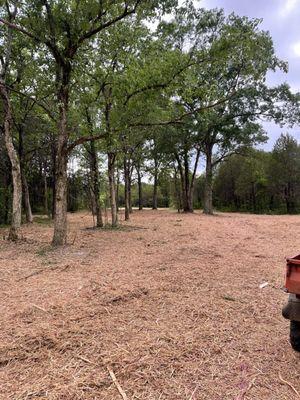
column 129, row 89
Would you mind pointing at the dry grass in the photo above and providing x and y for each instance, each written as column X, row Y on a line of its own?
column 173, row 309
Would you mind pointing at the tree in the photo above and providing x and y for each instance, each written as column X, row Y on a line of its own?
column 285, row 171
column 224, row 91
column 8, row 122
column 65, row 27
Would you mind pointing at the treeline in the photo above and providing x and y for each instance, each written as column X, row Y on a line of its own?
column 261, row 182
column 94, row 103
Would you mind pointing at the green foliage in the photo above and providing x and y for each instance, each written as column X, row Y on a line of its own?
column 261, row 182
column 156, row 97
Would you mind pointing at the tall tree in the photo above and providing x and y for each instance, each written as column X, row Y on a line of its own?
column 285, row 171
column 8, row 126
column 65, row 27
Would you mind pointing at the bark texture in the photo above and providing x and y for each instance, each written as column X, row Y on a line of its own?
column 140, row 186
column 208, row 189
column 46, row 205
column 15, row 165
column 60, row 217
column 155, row 185
column 27, row 205
column 95, row 178
column 187, row 181
column 112, row 189
column 127, row 188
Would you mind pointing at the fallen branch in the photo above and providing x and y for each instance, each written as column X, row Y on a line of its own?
column 289, row 384
column 112, row 375
column 39, row 308
column 85, row 359
column 41, row 271
column 114, row 379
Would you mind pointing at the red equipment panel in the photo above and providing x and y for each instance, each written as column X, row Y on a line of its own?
column 292, row 279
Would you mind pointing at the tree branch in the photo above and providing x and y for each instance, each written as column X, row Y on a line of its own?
column 20, row 29
column 48, row 112
column 179, row 119
column 85, row 139
column 99, row 28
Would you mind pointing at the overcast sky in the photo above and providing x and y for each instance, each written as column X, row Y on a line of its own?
column 282, row 19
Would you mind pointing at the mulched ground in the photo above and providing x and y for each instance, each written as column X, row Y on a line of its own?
column 169, row 303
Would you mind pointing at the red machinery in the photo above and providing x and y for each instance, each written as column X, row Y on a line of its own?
column 291, row 310
column 292, row 278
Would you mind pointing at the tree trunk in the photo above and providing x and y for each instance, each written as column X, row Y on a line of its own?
column 111, row 159
column 96, row 184
column 192, row 183
column 182, row 190
column 185, row 184
column 61, row 177
column 155, row 186
column 140, row 187
column 15, row 165
column 118, row 189
column 46, row 207
column 92, row 202
column 126, row 191
column 27, row 205
column 177, row 191
column 53, row 180
column 188, row 208
column 26, row 197
column 112, row 189
column 60, row 217
column 289, row 199
column 130, row 189
column 208, row 203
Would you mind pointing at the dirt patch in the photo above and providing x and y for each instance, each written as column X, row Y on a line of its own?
column 171, row 304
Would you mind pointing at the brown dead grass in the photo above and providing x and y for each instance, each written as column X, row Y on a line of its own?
column 171, row 304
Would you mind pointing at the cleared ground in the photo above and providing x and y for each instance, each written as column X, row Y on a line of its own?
column 170, row 303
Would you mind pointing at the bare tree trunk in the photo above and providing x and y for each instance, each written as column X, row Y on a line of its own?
column 53, row 156
column 112, row 189
column 16, row 218
column 140, row 186
column 181, row 173
column 192, row 183
column 28, row 211
column 126, row 191
column 15, row 164
column 187, row 182
column 93, row 202
column 26, row 197
column 46, row 207
column 208, row 203
column 130, row 188
column 155, row 186
column 289, row 198
column 60, row 217
column 177, row 191
column 187, row 201
column 184, row 180
column 118, row 189
column 111, row 159
column 96, row 184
